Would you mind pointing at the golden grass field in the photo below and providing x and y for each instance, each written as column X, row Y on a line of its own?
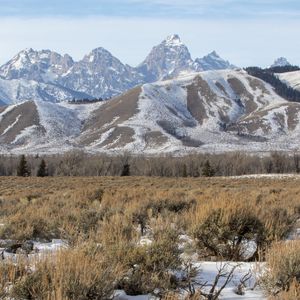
column 288, row 188
column 116, row 212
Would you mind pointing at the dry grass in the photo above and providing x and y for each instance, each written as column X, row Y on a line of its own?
column 81, row 273
column 282, row 274
column 102, row 217
column 69, row 207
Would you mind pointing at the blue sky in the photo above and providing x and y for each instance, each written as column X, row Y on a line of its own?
column 152, row 8
column 245, row 32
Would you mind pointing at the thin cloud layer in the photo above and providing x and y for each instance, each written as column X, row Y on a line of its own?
column 246, row 32
column 154, row 8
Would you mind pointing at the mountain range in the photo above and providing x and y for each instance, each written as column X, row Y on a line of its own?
column 208, row 111
column 169, row 103
column 47, row 75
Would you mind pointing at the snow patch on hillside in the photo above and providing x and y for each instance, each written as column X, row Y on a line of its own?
column 292, row 79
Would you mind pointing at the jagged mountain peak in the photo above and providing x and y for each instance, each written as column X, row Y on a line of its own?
column 280, row 62
column 213, row 53
column 173, row 40
column 42, row 65
column 166, row 60
column 99, row 73
column 101, row 50
column 212, row 61
column 98, row 55
column 26, row 50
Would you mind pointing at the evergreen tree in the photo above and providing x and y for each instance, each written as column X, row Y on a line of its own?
column 184, row 171
column 126, row 170
column 207, row 170
column 42, row 171
column 23, row 169
column 281, row 88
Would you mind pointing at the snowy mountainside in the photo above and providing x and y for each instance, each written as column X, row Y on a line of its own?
column 292, row 79
column 41, row 126
column 20, row 90
column 216, row 111
column 97, row 75
column 100, row 74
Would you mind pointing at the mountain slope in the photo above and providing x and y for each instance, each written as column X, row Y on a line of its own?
column 215, row 111
column 224, row 110
column 292, row 79
column 20, row 90
column 39, row 126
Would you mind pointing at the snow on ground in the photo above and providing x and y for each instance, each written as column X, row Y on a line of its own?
column 20, row 90
column 292, row 79
column 54, row 245
column 83, row 111
column 39, row 249
column 267, row 176
column 207, row 272
column 12, row 125
column 7, row 110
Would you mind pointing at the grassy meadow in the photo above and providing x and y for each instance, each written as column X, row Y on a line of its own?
column 132, row 233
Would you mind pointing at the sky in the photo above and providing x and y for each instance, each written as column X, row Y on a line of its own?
column 246, row 32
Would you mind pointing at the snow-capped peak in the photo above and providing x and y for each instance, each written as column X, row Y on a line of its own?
column 167, row 59
column 42, row 66
column 99, row 73
column 173, row 40
column 97, row 54
column 212, row 61
column 214, row 54
column 280, row 62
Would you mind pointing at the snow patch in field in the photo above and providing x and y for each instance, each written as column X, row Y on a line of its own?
column 54, row 245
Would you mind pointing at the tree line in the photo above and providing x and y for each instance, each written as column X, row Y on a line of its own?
column 85, row 101
column 78, row 163
column 269, row 76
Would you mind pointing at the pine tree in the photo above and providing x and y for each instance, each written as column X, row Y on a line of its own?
column 207, row 170
column 126, row 170
column 184, row 171
column 42, row 171
column 23, row 169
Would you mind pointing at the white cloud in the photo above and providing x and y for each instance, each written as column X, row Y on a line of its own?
column 242, row 42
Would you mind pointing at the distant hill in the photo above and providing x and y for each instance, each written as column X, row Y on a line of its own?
column 211, row 111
